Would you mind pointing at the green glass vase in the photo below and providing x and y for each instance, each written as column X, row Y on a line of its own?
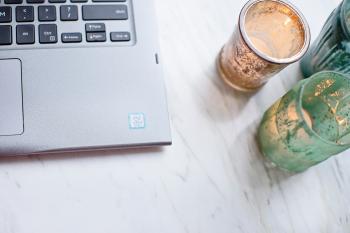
column 331, row 50
column 309, row 124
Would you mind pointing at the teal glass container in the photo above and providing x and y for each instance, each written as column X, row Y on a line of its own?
column 331, row 50
column 309, row 124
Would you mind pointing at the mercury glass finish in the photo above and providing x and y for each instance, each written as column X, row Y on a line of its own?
column 309, row 124
column 331, row 50
column 271, row 35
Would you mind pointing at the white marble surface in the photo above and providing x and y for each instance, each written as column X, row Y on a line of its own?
column 212, row 180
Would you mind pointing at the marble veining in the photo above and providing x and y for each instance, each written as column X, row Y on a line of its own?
column 212, row 180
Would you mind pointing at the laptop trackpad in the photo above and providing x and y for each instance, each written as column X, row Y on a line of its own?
column 11, row 111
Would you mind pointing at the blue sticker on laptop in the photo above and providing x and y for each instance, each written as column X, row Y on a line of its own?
column 137, row 121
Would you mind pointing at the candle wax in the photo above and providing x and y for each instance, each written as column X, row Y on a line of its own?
column 274, row 29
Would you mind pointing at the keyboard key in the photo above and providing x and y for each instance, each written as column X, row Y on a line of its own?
column 47, row 13
column 57, row 1
column 95, row 27
column 74, row 37
column 47, row 33
column 5, row 14
column 105, row 12
column 96, row 37
column 120, row 36
column 5, row 35
column 77, row 1
column 69, row 13
column 35, row 1
column 13, row 1
column 25, row 34
column 109, row 0
column 24, row 14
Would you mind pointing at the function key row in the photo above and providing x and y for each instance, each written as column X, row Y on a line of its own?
column 67, row 13
column 57, row 1
column 25, row 34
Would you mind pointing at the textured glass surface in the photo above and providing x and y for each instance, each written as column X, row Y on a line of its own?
column 331, row 50
column 241, row 68
column 274, row 31
column 309, row 124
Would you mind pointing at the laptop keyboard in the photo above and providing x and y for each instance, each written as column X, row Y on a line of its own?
column 65, row 23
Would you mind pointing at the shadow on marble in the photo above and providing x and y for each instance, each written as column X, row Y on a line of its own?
column 291, row 76
column 154, row 151
column 224, row 99
column 260, row 165
column 278, row 86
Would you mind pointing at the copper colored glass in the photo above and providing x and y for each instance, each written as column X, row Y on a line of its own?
column 271, row 34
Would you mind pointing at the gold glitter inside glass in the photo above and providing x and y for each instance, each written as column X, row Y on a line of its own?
column 271, row 35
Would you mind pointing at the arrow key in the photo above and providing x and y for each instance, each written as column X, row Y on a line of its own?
column 75, row 37
column 95, row 27
column 96, row 37
column 120, row 36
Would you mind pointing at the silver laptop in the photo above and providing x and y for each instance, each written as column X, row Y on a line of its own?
column 80, row 75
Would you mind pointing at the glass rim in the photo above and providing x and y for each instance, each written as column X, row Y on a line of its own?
column 299, row 106
column 303, row 21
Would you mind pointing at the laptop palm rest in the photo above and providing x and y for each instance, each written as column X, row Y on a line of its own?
column 11, row 109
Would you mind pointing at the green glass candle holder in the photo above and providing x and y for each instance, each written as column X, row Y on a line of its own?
column 331, row 50
column 309, row 124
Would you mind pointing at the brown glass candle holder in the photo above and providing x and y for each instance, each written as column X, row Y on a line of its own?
column 271, row 34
